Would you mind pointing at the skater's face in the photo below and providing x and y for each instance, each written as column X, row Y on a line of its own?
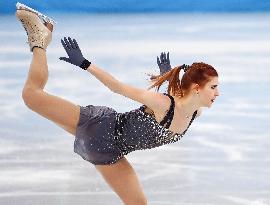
column 209, row 92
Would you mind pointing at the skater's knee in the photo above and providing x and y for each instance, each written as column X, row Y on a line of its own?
column 30, row 96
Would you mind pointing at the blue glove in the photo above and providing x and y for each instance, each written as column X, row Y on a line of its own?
column 74, row 53
column 164, row 63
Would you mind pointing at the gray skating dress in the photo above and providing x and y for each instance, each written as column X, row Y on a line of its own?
column 104, row 136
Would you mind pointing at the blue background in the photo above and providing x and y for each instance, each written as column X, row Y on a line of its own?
column 122, row 6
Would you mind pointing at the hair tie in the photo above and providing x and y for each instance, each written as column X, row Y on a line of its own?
column 185, row 67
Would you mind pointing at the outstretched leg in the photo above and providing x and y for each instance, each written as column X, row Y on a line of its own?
column 122, row 178
column 62, row 112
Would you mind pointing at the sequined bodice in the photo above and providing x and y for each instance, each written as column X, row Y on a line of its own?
column 140, row 130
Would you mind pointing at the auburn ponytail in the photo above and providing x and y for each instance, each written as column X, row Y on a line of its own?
column 198, row 73
column 172, row 77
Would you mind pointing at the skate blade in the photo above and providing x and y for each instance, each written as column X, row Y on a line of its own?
column 40, row 15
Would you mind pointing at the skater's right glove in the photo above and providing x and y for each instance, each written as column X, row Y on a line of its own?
column 74, row 53
column 164, row 63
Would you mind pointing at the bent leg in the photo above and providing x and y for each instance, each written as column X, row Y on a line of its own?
column 123, row 180
column 60, row 111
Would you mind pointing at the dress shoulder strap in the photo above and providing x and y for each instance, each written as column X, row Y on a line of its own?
column 193, row 117
column 167, row 120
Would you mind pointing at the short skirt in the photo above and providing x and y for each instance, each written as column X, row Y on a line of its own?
column 95, row 140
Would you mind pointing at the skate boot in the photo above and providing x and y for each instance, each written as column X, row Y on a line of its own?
column 38, row 26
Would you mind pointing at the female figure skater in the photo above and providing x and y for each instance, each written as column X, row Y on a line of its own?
column 102, row 136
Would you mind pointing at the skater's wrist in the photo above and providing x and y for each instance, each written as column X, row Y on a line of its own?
column 85, row 64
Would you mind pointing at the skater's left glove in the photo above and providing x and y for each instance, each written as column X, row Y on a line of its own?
column 164, row 63
column 74, row 53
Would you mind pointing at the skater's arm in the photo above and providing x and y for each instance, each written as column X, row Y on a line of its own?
column 154, row 100
column 107, row 79
column 151, row 99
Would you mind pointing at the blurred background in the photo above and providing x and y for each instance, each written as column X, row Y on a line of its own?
column 223, row 159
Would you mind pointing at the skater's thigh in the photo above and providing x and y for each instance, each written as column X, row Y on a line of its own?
column 123, row 180
column 62, row 112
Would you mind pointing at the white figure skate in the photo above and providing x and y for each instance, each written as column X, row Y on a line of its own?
column 38, row 26
column 45, row 18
